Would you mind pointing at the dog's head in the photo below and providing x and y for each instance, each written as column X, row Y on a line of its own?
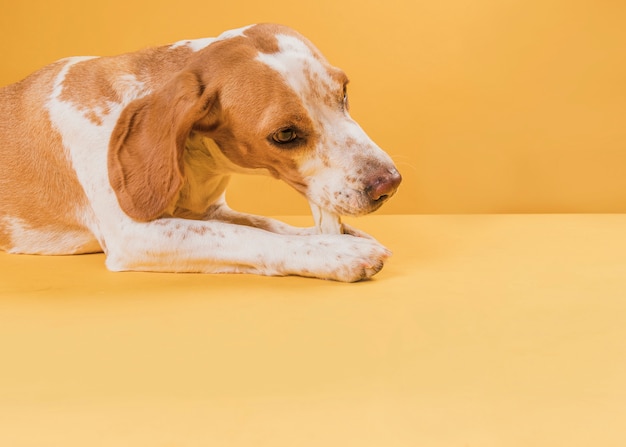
column 272, row 103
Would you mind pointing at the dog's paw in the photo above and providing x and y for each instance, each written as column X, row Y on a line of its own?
column 351, row 259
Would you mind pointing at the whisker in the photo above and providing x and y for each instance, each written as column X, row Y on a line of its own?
column 403, row 161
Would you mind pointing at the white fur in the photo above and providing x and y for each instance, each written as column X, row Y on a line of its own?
column 295, row 61
column 199, row 44
column 47, row 242
column 194, row 44
column 234, row 33
column 87, row 145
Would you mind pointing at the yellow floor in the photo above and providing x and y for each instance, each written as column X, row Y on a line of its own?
column 481, row 331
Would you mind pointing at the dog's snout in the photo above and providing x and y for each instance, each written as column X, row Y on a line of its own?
column 383, row 185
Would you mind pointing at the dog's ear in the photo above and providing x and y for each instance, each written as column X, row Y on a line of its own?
column 145, row 156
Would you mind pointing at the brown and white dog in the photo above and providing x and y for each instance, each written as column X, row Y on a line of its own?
column 131, row 155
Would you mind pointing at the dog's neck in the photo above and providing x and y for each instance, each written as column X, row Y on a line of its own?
column 207, row 172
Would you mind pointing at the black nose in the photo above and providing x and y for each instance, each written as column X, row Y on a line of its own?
column 383, row 184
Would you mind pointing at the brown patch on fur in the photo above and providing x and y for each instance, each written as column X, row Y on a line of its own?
column 86, row 87
column 94, row 117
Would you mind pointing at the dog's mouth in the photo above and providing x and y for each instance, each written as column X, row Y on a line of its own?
column 370, row 207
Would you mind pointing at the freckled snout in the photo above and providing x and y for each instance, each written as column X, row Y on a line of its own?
column 383, row 184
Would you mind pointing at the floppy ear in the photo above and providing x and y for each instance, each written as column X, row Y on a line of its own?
column 145, row 156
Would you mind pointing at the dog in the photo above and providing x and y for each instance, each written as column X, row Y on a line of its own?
column 131, row 155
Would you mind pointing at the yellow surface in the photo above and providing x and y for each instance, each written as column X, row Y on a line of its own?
column 481, row 331
column 486, row 105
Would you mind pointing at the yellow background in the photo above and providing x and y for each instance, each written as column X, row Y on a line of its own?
column 486, row 105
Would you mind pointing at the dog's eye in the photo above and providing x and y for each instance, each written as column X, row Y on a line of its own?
column 285, row 136
column 345, row 102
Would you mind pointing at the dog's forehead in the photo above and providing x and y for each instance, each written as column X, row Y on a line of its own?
column 301, row 65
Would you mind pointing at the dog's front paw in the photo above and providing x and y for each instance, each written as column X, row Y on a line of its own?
column 353, row 259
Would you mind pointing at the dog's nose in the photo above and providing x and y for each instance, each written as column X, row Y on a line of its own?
column 383, row 184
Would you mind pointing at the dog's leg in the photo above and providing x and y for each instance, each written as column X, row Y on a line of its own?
column 218, row 247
